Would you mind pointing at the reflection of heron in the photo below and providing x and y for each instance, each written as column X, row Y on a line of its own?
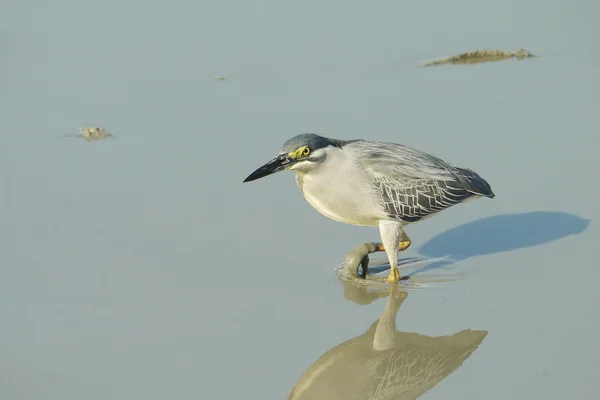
column 383, row 363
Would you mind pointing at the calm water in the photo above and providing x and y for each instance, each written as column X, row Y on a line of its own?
column 142, row 267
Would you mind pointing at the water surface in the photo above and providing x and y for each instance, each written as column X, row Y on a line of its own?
column 142, row 268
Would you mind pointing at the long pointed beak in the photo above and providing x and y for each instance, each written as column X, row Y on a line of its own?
column 277, row 164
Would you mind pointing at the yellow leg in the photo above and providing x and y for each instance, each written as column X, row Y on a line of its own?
column 394, row 275
column 405, row 242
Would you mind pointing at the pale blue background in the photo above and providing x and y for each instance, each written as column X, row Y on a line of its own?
column 142, row 268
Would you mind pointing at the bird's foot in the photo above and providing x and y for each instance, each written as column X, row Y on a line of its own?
column 394, row 275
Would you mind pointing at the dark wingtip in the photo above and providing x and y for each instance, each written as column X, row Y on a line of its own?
column 476, row 184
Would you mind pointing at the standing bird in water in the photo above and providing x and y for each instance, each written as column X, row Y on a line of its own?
column 365, row 183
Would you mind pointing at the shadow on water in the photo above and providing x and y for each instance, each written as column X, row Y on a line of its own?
column 499, row 233
column 485, row 236
column 384, row 363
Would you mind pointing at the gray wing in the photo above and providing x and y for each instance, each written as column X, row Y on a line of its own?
column 412, row 184
column 417, row 199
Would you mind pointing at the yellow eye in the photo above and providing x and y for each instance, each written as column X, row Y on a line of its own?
column 306, row 151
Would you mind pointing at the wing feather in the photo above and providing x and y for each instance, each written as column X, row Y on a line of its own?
column 412, row 184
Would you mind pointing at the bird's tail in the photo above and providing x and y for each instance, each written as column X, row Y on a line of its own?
column 476, row 184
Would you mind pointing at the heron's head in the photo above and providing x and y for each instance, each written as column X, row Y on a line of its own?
column 301, row 153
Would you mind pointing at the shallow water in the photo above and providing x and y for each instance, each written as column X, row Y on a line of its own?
column 142, row 267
